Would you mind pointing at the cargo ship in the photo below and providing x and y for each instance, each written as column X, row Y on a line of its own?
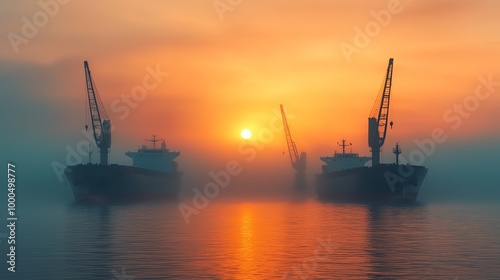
column 153, row 174
column 349, row 177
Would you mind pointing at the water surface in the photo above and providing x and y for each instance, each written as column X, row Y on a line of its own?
column 258, row 240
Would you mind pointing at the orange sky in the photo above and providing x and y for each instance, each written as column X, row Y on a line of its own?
column 227, row 75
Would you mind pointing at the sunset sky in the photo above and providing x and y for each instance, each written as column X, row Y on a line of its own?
column 231, row 63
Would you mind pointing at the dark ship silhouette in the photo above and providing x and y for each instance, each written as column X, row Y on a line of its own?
column 153, row 174
column 347, row 176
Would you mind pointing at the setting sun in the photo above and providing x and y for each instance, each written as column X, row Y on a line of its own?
column 246, row 134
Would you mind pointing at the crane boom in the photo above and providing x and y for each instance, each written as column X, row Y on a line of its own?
column 101, row 125
column 298, row 162
column 377, row 122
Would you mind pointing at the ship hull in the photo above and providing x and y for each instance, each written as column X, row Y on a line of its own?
column 385, row 182
column 103, row 183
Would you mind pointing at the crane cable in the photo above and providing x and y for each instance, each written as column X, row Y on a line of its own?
column 378, row 100
column 86, row 102
column 283, row 140
column 102, row 109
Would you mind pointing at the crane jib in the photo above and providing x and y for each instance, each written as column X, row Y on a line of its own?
column 298, row 162
column 101, row 126
column 377, row 126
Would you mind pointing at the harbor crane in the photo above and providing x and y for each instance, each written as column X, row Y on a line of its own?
column 377, row 122
column 298, row 162
column 101, row 125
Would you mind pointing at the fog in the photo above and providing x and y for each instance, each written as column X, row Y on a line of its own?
column 38, row 126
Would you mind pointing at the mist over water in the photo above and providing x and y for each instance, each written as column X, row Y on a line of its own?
column 259, row 227
column 237, row 239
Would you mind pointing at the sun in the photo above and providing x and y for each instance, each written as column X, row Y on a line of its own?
column 246, row 134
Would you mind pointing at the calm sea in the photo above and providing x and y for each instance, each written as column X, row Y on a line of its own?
column 257, row 240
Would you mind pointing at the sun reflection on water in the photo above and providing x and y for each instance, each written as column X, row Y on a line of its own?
column 246, row 250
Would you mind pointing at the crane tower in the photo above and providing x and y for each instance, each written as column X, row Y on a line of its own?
column 298, row 162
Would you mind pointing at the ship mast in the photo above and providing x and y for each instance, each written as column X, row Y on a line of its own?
column 397, row 152
column 343, row 145
column 90, row 153
column 154, row 140
column 101, row 125
column 377, row 122
column 298, row 162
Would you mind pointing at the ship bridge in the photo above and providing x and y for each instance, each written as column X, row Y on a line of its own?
column 161, row 159
column 343, row 160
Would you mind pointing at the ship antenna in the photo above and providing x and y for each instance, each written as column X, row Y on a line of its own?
column 90, row 153
column 343, row 146
column 154, row 140
column 397, row 152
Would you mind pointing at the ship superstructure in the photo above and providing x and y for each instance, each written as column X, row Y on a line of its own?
column 343, row 160
column 159, row 159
